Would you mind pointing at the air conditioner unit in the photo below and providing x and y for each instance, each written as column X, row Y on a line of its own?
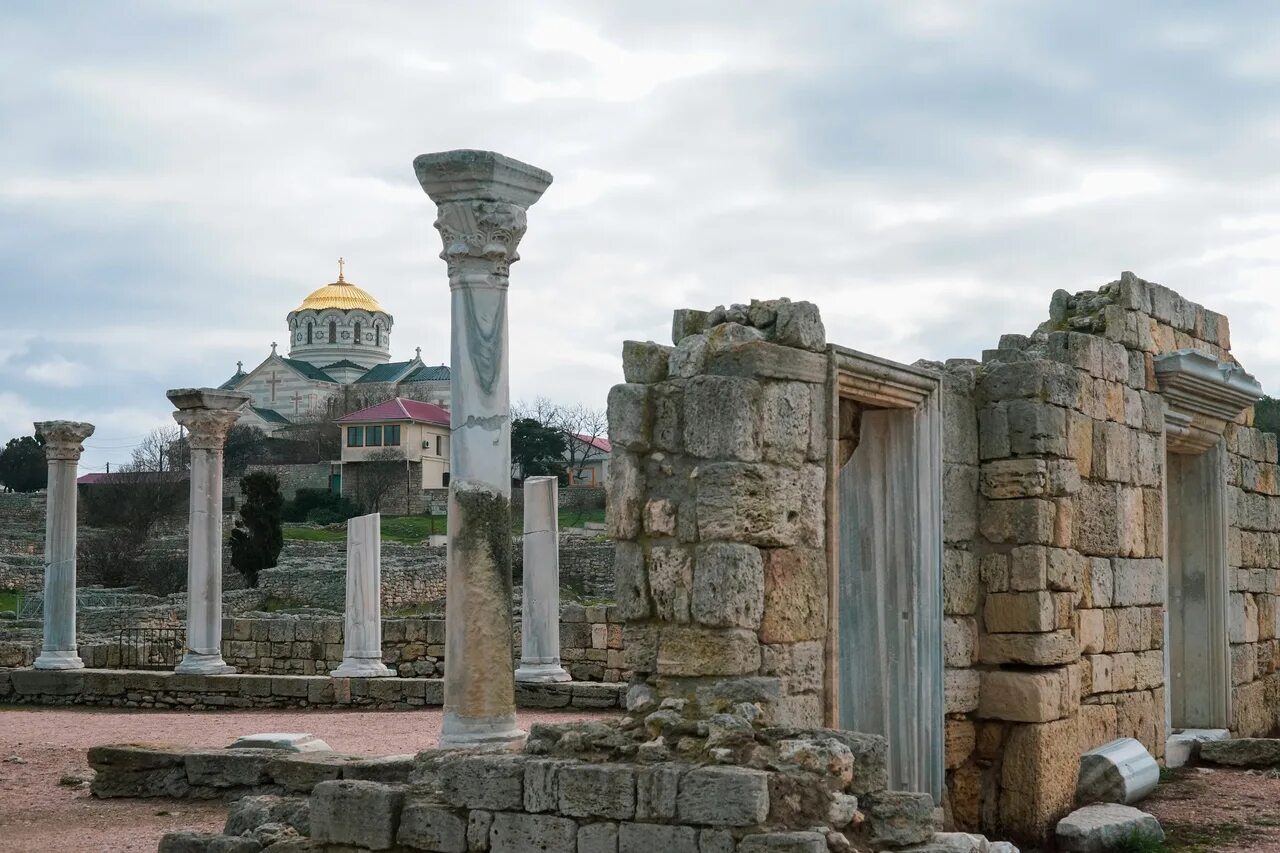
column 426, row 444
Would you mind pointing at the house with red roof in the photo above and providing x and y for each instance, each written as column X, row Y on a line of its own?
column 588, row 460
column 399, row 429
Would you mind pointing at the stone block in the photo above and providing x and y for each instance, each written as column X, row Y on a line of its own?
column 624, row 496
column 387, row 769
column 959, row 583
column 427, row 825
column 303, row 772
column 1242, row 752
column 1027, row 521
column 1037, row 428
column 1029, row 696
column 795, row 595
column 1183, row 746
column 645, row 361
column 1121, row 771
column 541, row 785
column 1138, row 582
column 716, row 841
column 1091, row 631
column 1105, row 826
column 363, row 814
column 1045, row 381
column 630, row 417
column 1101, row 584
column 686, row 322
column 959, row 423
column 785, row 422
column 479, row 824
column 1019, row 612
column 598, row 838
column 494, row 782
column 631, row 580
column 597, row 790
column 691, row 651
column 724, row 796
column 1098, row 520
column 898, row 818
column 959, row 502
column 728, row 586
column 722, row 418
column 1028, row 568
column 1066, row 570
column 993, row 432
column 1114, row 454
column 670, row 571
column 241, row 768
column 959, row 640
column 520, row 833
column 657, row 788
column 1014, row 478
column 960, row 690
column 1038, row 776
column 1045, row 649
column 761, row 504
column 784, row 842
column 651, row 837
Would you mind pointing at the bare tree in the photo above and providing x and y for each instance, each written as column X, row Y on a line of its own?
column 582, row 427
column 377, row 475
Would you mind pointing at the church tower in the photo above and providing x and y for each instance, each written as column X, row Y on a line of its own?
column 340, row 323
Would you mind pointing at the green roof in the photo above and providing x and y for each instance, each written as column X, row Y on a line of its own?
column 346, row 362
column 389, row 372
column 230, row 384
column 308, row 370
column 429, row 373
column 271, row 416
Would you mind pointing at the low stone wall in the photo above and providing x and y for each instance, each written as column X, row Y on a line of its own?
column 313, row 475
column 117, row 688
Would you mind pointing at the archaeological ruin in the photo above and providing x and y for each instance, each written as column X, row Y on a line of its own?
column 857, row 604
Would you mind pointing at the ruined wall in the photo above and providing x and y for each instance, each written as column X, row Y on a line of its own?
column 314, row 475
column 717, row 503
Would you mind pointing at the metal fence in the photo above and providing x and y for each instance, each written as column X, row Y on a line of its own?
column 151, row 648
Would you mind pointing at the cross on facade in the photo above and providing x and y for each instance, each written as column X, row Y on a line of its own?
column 273, row 382
column 297, row 401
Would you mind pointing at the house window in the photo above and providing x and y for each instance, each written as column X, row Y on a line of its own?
column 310, row 329
column 440, row 445
column 391, row 435
column 333, row 331
column 355, row 436
column 373, row 436
column 357, row 334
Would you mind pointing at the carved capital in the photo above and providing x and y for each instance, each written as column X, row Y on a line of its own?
column 62, row 439
column 208, row 427
column 481, row 236
column 1202, row 395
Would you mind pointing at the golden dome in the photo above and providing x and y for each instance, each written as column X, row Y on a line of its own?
column 342, row 295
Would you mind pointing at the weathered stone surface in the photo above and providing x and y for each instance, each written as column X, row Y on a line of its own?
column 650, row 837
column 722, row 418
column 483, row 781
column 387, row 769
column 1121, row 771
column 1038, row 776
column 283, row 741
column 657, row 788
column 598, row 838
column 598, row 790
column 248, row 813
column 1242, row 752
column 1014, row 478
column 365, row 814
column 1019, row 612
column 898, row 818
column 1047, row 649
column 670, row 572
column 686, row 322
column 542, row 785
column 187, row 841
column 645, row 361
column 427, row 825
column 624, row 495
column 1102, row 827
column 784, row 842
column 303, row 771
column 630, row 417
column 1025, row 521
column 959, row 583
column 724, row 796
column 795, row 595
column 799, row 324
column 728, row 585
column 785, row 422
column 135, row 757
column 1184, row 746
column 229, row 769
column 479, row 824
column 688, row 651
column 631, row 581
column 689, row 358
column 761, row 504
column 520, row 833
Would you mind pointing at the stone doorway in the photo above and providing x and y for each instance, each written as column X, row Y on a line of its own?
column 886, row 564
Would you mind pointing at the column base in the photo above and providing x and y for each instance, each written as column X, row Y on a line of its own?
column 542, row 673
column 54, row 659
column 461, row 733
column 361, row 668
column 194, row 663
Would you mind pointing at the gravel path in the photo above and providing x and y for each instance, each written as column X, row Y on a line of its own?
column 39, row 747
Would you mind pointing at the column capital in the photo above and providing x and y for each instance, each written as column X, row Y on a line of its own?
column 207, row 413
column 62, row 439
column 481, row 198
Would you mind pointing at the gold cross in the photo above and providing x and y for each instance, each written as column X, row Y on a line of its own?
column 340, row 265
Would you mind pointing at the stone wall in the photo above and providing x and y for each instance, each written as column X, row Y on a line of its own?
column 313, row 475
column 22, row 541
column 405, row 497
column 137, row 689
column 717, row 503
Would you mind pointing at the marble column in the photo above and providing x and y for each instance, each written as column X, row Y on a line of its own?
column 481, row 198
column 208, row 415
column 62, row 450
column 540, row 605
column 362, row 634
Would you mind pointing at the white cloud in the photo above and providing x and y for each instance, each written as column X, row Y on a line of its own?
column 56, row 371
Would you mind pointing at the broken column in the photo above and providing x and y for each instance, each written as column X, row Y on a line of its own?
column 482, row 198
column 208, row 415
column 540, row 604
column 362, row 634
column 62, row 450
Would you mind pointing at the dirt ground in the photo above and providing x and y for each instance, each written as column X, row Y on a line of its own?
column 1218, row 810
column 38, row 747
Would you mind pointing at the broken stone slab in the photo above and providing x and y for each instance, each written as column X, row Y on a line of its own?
column 1242, row 752
column 1183, row 746
column 1101, row 827
column 1121, row 771
column 248, row 813
column 363, row 814
column 285, row 741
column 952, row 842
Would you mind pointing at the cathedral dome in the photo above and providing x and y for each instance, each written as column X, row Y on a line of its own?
column 341, row 295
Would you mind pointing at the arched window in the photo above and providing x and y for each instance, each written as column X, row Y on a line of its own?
column 357, row 333
column 333, row 331
column 310, row 326
column 377, row 335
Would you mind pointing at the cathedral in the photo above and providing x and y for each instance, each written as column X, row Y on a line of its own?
column 339, row 361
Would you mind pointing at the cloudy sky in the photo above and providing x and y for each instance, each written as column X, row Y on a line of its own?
column 176, row 176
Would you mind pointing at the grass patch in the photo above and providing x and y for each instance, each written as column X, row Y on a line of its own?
column 412, row 529
column 1140, row 842
column 273, row 603
column 1204, row 838
column 9, row 601
column 314, row 534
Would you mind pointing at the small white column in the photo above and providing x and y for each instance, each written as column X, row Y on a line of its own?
column 208, row 415
column 481, row 198
column 62, row 450
column 362, row 635
column 540, row 606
